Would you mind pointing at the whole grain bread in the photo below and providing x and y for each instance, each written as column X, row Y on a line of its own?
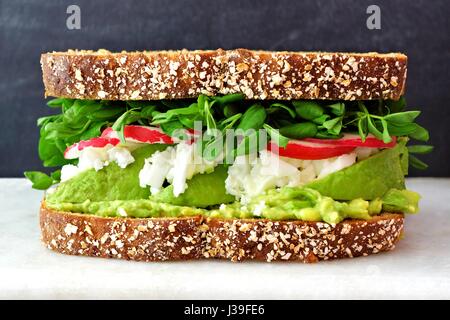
column 160, row 239
column 154, row 75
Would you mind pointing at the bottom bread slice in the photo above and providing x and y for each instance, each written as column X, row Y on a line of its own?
column 184, row 238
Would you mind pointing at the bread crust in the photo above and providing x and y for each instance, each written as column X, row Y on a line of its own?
column 187, row 238
column 155, row 75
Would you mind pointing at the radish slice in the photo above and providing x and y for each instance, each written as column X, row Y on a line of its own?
column 73, row 151
column 97, row 143
column 107, row 132
column 354, row 140
column 299, row 149
column 139, row 134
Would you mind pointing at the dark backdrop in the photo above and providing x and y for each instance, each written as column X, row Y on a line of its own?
column 418, row 28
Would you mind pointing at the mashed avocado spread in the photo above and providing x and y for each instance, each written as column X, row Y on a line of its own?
column 359, row 191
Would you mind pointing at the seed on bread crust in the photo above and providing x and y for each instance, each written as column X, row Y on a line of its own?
column 257, row 74
column 186, row 238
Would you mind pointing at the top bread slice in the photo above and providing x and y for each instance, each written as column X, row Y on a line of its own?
column 155, row 75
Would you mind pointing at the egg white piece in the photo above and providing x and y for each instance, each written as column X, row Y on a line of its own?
column 120, row 155
column 248, row 178
column 177, row 165
column 97, row 158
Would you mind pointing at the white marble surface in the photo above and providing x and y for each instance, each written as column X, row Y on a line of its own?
column 418, row 268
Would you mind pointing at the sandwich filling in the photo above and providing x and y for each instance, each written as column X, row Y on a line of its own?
column 229, row 157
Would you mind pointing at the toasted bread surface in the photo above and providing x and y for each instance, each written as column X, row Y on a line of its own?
column 154, row 75
column 187, row 238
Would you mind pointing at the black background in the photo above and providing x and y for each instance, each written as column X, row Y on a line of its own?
column 421, row 29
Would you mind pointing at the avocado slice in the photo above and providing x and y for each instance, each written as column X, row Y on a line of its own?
column 110, row 183
column 203, row 190
column 368, row 179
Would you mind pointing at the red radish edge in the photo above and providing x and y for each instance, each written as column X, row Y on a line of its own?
column 98, row 142
column 140, row 134
column 145, row 134
column 353, row 140
column 107, row 132
column 309, row 151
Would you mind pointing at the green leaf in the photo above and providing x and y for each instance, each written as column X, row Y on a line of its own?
column 55, row 160
column 229, row 123
column 416, row 163
column 80, row 131
column 93, row 131
column 187, row 121
column 333, row 126
column 40, row 180
column 402, row 117
column 320, row 120
column 193, row 109
column 147, row 111
column 169, row 127
column 401, row 129
column 105, row 114
column 386, row 137
column 67, row 104
column 56, row 175
column 279, row 123
column 323, row 134
column 299, row 130
column 373, row 129
column 396, row 106
column 230, row 98
column 420, row 133
column 363, row 108
column 329, row 124
column 126, row 118
column 60, row 130
column 337, row 109
column 209, row 119
column 420, row 149
column 274, row 107
column 275, row 136
column 44, row 120
column 230, row 110
column 362, row 128
column 253, row 118
column 61, row 145
column 50, row 154
column 201, row 103
column 78, row 114
column 56, row 103
column 308, row 110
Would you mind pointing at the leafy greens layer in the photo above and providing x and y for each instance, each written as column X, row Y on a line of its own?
column 283, row 120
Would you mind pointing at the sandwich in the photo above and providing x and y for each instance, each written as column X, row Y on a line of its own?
column 232, row 154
